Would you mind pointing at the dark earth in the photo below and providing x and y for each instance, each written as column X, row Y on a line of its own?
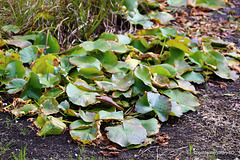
column 212, row 132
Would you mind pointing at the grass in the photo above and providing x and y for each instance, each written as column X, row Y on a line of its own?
column 70, row 21
column 21, row 155
column 4, row 149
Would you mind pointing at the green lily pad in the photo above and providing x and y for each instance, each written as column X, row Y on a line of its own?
column 50, row 106
column 178, row 44
column 49, row 80
column 28, row 54
column 49, row 125
column 182, row 66
column 86, row 62
column 48, row 40
column 99, row 44
column 84, row 134
column 131, row 132
column 109, row 37
column 118, row 47
column 104, row 115
column 161, row 17
column 11, row 28
column 213, row 4
column 91, row 73
column 143, row 73
column 15, row 69
column 122, row 83
column 154, row 102
column 177, row 3
column 124, row 39
column 193, row 77
column 176, row 109
column 185, row 99
column 79, row 96
column 15, row 85
column 87, row 116
column 32, row 88
column 151, row 125
column 28, row 109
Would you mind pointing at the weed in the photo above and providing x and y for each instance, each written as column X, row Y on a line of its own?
column 81, row 149
column 21, row 155
column 4, row 149
column 190, row 148
column 23, row 130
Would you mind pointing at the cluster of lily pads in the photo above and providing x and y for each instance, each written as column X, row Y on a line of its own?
column 128, row 83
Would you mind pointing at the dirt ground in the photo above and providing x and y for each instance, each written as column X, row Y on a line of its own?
column 212, row 132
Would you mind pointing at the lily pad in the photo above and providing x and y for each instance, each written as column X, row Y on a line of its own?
column 15, row 85
column 154, row 102
column 79, row 96
column 131, row 132
column 28, row 109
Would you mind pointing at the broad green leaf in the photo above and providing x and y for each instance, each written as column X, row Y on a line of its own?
column 139, row 87
column 26, row 37
column 108, row 59
column 177, row 3
column 160, row 81
column 86, row 116
column 66, row 109
column 74, row 51
column 11, row 28
column 49, row 80
column 45, row 64
column 133, row 63
column 154, row 102
column 178, row 44
column 99, row 44
column 198, row 58
column 79, row 96
column 109, row 37
column 28, row 109
column 220, row 57
column 170, row 68
column 124, row 39
column 48, row 40
column 224, row 72
column 176, row 109
column 84, row 85
column 151, row 125
column 15, row 69
column 150, row 32
column 65, row 64
column 143, row 73
column 28, row 54
column 141, row 44
column 131, row 132
column 40, row 121
column 138, row 18
column 118, row 47
column 161, row 71
column 85, row 62
column 84, row 135
column 193, row 77
column 213, row 4
column 161, row 17
column 181, row 66
column 53, row 92
column 131, row 5
column 104, row 115
column 15, row 85
column 80, row 124
column 91, row 73
column 122, row 83
column 175, row 53
column 50, row 106
column 185, row 99
column 32, row 88
column 186, row 85
column 52, row 126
